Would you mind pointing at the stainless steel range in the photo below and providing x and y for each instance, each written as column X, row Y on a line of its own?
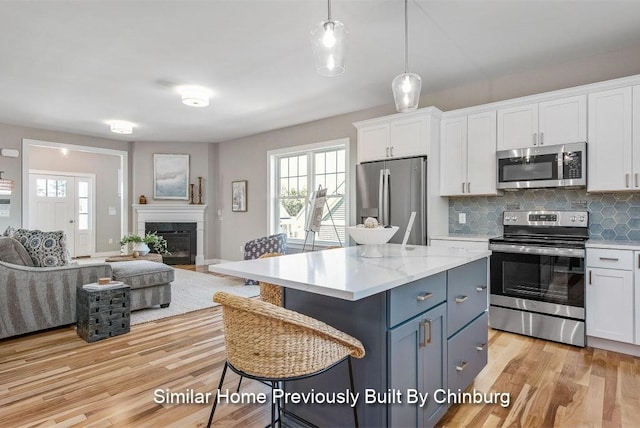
column 537, row 275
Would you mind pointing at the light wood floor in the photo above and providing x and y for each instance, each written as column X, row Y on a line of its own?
column 56, row 378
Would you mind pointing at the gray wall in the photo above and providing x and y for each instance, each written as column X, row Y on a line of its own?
column 11, row 137
column 202, row 163
column 246, row 158
column 105, row 167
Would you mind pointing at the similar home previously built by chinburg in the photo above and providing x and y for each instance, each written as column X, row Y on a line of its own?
column 520, row 279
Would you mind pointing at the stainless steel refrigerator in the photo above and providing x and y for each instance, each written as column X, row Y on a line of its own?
column 390, row 191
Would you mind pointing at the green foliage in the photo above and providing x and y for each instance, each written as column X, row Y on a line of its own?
column 155, row 242
column 294, row 206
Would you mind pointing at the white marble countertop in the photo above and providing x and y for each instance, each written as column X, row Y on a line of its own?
column 464, row 237
column 344, row 274
column 613, row 245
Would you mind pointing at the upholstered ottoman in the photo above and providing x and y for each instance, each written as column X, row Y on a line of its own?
column 150, row 282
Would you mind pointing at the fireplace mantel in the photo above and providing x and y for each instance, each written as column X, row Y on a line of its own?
column 173, row 213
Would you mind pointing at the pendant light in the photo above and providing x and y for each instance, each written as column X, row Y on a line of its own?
column 406, row 86
column 328, row 39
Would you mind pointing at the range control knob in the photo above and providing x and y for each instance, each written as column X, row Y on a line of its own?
column 573, row 218
column 581, row 218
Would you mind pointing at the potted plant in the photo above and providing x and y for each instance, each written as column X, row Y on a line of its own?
column 138, row 245
column 156, row 243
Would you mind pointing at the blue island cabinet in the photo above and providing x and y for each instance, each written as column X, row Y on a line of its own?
column 409, row 333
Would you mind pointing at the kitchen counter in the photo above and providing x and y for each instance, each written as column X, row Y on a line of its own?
column 344, row 274
column 464, row 237
column 389, row 304
column 614, row 245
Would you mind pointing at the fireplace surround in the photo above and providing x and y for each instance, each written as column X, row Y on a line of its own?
column 173, row 214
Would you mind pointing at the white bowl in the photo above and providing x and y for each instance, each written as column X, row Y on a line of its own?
column 371, row 237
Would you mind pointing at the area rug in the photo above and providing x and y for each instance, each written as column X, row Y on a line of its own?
column 191, row 291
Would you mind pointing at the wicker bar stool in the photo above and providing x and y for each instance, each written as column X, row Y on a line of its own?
column 273, row 344
column 270, row 293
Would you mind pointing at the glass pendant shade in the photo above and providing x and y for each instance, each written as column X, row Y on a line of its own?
column 328, row 39
column 406, row 91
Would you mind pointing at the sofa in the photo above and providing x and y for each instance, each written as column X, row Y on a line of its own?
column 34, row 298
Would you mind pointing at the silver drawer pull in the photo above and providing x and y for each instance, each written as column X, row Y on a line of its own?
column 610, row 259
column 481, row 347
column 424, row 297
column 461, row 299
column 481, row 288
column 462, row 366
column 426, row 327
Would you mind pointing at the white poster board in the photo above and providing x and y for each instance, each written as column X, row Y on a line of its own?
column 317, row 202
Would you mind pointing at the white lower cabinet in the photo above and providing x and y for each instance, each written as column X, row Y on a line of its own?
column 609, row 297
column 636, row 258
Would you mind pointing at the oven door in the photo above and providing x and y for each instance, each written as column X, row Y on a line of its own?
column 538, row 279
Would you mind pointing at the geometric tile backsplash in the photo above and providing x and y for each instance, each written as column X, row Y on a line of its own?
column 612, row 216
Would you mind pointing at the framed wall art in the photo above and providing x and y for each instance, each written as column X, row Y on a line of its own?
column 239, row 196
column 170, row 176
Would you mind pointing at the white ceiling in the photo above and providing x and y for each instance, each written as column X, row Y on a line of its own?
column 73, row 65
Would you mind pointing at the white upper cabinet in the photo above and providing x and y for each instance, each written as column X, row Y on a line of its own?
column 562, row 121
column 408, row 137
column 518, row 127
column 373, row 142
column 396, row 136
column 468, row 155
column 636, row 138
column 610, row 148
column 547, row 123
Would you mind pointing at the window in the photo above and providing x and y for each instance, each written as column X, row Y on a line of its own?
column 295, row 174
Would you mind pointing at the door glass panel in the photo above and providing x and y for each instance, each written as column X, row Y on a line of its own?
column 41, row 187
column 51, row 188
column 61, row 188
column 83, row 221
column 83, row 205
column 83, row 189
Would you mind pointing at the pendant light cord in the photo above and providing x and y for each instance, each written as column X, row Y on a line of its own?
column 328, row 10
column 406, row 38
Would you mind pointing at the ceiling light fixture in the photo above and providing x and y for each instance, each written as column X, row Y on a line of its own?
column 406, row 86
column 121, row 127
column 195, row 96
column 328, row 39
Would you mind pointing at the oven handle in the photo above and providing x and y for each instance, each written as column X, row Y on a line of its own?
column 544, row 251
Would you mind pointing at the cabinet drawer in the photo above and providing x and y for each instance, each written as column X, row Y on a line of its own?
column 411, row 299
column 467, row 353
column 609, row 259
column 466, row 294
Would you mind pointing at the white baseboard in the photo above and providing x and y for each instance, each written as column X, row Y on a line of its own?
column 107, row 254
column 612, row 345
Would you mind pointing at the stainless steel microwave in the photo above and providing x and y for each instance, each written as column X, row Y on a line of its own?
column 563, row 165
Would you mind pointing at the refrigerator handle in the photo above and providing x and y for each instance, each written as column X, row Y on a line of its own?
column 387, row 176
column 381, row 197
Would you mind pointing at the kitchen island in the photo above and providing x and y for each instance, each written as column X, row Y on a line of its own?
column 419, row 311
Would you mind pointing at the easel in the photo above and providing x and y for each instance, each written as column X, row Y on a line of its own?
column 317, row 201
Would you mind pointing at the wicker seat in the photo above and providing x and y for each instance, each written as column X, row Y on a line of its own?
column 270, row 293
column 274, row 344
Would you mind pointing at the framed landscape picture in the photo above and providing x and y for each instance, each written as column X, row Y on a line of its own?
column 170, row 176
column 239, row 195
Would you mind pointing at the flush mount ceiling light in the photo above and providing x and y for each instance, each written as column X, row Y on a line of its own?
column 406, row 86
column 195, row 96
column 328, row 39
column 121, row 127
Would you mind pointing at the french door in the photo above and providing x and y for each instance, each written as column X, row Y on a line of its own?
column 64, row 202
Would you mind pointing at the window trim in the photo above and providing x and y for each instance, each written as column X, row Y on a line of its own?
column 272, row 155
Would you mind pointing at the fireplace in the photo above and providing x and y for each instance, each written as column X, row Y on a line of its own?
column 181, row 241
column 169, row 218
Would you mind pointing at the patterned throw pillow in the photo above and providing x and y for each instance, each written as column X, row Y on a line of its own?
column 46, row 249
column 269, row 244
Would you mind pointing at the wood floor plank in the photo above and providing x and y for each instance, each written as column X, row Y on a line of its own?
column 54, row 378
